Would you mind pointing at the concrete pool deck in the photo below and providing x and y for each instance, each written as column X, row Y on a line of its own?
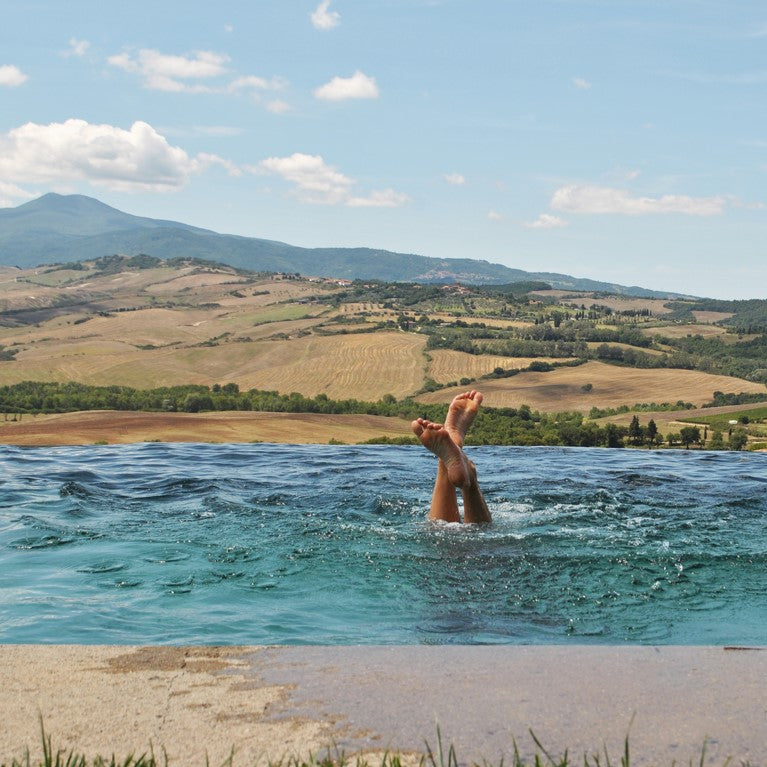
column 269, row 702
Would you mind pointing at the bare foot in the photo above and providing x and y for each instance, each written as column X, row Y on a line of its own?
column 436, row 438
column 461, row 413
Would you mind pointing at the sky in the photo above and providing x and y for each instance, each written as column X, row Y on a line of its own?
column 618, row 140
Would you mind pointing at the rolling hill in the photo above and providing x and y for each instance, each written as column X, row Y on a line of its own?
column 68, row 228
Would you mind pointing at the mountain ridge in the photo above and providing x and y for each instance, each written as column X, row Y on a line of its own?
column 58, row 228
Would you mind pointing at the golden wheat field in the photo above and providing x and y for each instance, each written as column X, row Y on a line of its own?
column 204, row 325
column 681, row 331
column 612, row 386
column 448, row 365
column 106, row 426
column 361, row 366
column 651, row 352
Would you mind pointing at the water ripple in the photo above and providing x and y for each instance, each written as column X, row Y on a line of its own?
column 282, row 543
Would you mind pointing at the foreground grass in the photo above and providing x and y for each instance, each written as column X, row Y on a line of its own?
column 439, row 757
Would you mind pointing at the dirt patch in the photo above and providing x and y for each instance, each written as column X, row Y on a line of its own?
column 195, row 703
column 163, row 658
column 115, row 427
column 702, row 316
column 682, row 331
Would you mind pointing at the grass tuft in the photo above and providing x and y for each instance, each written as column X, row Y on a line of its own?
column 439, row 757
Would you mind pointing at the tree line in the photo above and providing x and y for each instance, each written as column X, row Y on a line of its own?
column 493, row 426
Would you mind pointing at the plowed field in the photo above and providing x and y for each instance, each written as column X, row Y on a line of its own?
column 561, row 389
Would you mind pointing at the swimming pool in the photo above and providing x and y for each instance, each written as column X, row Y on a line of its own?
column 286, row 544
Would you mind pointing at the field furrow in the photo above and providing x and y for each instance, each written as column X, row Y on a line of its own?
column 611, row 386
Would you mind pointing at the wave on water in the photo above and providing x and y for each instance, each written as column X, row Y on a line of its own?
column 248, row 544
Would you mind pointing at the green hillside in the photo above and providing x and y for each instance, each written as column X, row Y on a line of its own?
column 61, row 229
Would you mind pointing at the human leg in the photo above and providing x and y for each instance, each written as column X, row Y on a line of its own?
column 444, row 504
column 461, row 414
column 475, row 509
column 454, row 468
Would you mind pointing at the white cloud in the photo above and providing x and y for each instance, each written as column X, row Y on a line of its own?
column 10, row 194
column 278, row 107
column 255, row 83
column 358, row 86
column 736, row 202
column 318, row 183
column 77, row 47
column 103, row 155
column 12, row 76
column 494, row 215
column 201, row 72
column 315, row 181
column 598, row 199
column 322, row 18
column 546, row 221
column 581, row 84
column 456, row 179
column 164, row 72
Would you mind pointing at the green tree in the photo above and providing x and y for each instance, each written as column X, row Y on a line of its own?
column 690, row 435
column 614, row 435
column 652, row 431
column 738, row 439
column 193, row 403
column 636, row 432
column 717, row 441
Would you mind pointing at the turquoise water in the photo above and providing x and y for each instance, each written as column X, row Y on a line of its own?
column 249, row 544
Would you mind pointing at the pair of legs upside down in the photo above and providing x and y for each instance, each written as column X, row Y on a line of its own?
column 454, row 469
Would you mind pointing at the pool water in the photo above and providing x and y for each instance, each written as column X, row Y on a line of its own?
column 286, row 544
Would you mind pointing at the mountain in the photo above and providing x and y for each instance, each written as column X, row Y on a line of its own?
column 63, row 228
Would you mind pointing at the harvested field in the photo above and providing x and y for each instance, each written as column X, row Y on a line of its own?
column 682, row 331
column 674, row 420
column 613, row 386
column 706, row 331
column 617, row 303
column 198, row 279
column 362, row 307
column 597, row 344
column 128, row 282
column 114, row 427
column 362, row 366
column 449, row 365
column 702, row 316
column 656, row 306
column 492, row 322
column 559, row 294
column 151, row 327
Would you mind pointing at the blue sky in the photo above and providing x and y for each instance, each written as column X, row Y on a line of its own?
column 617, row 140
